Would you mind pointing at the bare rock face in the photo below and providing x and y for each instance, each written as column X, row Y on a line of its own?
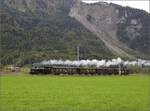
column 124, row 30
column 134, row 29
column 101, row 18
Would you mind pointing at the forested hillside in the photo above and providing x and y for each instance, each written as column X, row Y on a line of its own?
column 28, row 38
column 35, row 30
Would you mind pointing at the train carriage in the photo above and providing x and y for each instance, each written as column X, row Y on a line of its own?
column 71, row 70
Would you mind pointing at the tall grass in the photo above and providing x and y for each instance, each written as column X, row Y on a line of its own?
column 54, row 93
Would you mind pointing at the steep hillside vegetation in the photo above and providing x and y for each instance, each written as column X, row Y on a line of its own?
column 34, row 30
column 27, row 38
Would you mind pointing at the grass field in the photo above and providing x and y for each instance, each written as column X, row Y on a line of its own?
column 54, row 93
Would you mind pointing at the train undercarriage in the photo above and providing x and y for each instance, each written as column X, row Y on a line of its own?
column 79, row 70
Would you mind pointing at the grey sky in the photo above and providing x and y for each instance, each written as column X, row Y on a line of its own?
column 140, row 4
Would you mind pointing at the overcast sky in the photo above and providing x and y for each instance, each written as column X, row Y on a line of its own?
column 140, row 4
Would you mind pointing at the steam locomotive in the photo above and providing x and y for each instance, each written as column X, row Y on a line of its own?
column 72, row 70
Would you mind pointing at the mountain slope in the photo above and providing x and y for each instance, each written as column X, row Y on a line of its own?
column 31, row 37
column 34, row 30
column 124, row 30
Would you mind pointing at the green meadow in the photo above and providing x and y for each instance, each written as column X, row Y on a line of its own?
column 74, row 93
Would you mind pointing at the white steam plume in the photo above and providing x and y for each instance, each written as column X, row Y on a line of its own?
column 98, row 63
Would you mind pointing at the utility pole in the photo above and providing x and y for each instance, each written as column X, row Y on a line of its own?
column 119, row 69
column 78, row 53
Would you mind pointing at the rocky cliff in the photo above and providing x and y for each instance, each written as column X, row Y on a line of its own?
column 33, row 30
column 124, row 30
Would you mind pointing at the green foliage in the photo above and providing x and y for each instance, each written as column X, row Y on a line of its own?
column 139, row 70
column 31, row 38
column 105, row 93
